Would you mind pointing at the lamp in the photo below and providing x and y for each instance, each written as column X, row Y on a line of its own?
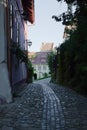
column 29, row 43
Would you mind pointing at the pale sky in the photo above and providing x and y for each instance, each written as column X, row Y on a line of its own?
column 46, row 29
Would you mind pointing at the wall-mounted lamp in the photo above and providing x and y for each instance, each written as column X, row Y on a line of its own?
column 29, row 43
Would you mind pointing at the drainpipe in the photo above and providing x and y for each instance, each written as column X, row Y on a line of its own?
column 5, row 88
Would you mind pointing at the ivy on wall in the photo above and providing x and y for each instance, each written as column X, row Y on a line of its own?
column 21, row 55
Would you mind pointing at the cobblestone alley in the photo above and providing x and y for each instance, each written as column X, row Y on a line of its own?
column 44, row 106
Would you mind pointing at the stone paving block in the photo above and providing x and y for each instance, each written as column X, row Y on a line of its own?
column 45, row 106
column 7, row 128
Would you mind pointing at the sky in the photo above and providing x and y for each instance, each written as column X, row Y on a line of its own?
column 46, row 29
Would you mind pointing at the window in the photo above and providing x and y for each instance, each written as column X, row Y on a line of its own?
column 11, row 19
column 18, row 32
column 44, row 67
column 39, row 67
column 43, row 60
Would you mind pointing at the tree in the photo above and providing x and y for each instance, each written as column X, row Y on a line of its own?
column 73, row 52
column 50, row 58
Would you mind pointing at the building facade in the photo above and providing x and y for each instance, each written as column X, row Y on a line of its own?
column 17, row 38
column 39, row 62
column 14, row 15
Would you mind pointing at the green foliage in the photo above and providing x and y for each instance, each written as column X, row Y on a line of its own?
column 73, row 52
column 21, row 55
column 45, row 75
column 68, row 18
column 50, row 59
column 73, row 63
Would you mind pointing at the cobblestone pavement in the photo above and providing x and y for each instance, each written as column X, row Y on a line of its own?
column 53, row 118
column 45, row 106
column 25, row 113
column 74, row 107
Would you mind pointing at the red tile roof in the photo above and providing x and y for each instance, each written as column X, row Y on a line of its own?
column 28, row 7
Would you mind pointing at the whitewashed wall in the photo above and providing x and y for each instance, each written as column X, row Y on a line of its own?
column 41, row 71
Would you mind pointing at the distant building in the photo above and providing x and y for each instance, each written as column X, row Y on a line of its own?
column 46, row 46
column 39, row 60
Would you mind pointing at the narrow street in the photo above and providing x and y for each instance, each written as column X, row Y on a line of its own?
column 44, row 106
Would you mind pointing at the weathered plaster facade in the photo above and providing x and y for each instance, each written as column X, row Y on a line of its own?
column 14, row 15
column 5, row 89
column 18, row 69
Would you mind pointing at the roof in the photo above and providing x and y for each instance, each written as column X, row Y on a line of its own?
column 40, row 58
column 47, row 46
column 28, row 7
